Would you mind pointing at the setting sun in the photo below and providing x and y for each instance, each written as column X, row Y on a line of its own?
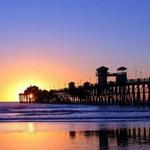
column 14, row 88
column 31, row 96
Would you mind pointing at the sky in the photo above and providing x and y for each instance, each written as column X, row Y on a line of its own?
column 49, row 43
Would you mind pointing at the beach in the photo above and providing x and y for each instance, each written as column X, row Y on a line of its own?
column 81, row 136
column 82, row 127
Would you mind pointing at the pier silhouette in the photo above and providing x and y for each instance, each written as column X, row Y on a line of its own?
column 122, row 91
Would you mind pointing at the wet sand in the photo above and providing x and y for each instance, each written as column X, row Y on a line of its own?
column 73, row 136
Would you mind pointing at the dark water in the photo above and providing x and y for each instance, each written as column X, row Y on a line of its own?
column 13, row 112
column 61, row 127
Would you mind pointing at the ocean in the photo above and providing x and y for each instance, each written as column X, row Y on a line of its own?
column 82, row 127
column 19, row 112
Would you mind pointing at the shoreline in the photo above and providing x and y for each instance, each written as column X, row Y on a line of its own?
column 68, row 126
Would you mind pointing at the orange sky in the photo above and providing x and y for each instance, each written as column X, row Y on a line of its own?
column 18, row 74
column 47, row 74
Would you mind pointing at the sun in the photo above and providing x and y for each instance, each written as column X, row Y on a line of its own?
column 31, row 96
column 13, row 90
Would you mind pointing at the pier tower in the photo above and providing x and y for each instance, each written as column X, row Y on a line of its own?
column 121, row 77
column 71, row 85
column 102, row 74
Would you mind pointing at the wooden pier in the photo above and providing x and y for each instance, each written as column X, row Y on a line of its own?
column 134, row 92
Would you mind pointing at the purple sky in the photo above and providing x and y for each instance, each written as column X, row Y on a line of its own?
column 50, row 42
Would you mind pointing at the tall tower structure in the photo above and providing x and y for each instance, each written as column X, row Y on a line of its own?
column 102, row 74
column 121, row 75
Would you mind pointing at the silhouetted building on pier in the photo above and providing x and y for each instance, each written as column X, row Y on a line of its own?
column 71, row 85
column 122, row 91
column 121, row 75
column 103, row 74
column 86, row 84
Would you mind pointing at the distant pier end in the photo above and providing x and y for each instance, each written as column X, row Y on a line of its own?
column 120, row 91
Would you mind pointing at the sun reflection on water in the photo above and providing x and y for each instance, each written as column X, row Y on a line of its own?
column 31, row 127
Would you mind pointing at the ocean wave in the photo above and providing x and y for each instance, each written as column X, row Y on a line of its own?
column 14, row 112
